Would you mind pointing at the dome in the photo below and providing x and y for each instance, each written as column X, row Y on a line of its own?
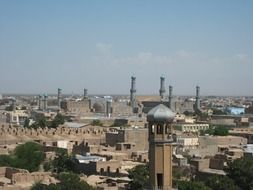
column 160, row 113
column 99, row 107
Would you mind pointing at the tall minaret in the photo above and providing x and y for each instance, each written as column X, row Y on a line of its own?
column 45, row 101
column 59, row 97
column 40, row 102
column 108, row 108
column 85, row 93
column 133, row 92
column 162, row 87
column 197, row 103
column 170, row 96
column 160, row 147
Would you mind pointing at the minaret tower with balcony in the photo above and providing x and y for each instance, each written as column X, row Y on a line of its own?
column 160, row 147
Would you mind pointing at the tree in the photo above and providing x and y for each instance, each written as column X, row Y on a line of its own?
column 96, row 122
column 221, row 131
column 179, row 172
column 26, row 123
column 5, row 160
column 221, row 183
column 26, row 156
column 58, row 120
column 73, row 182
column 217, row 130
column 41, row 122
column 189, row 185
column 139, row 175
column 29, row 156
column 209, row 131
column 241, row 171
column 9, row 108
column 65, row 163
column 218, row 112
column 40, row 186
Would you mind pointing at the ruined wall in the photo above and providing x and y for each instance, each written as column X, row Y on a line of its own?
column 13, row 135
column 30, row 177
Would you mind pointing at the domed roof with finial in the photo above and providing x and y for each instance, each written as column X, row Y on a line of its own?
column 160, row 113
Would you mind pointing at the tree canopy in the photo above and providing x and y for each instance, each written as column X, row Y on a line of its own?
column 58, row 120
column 241, row 172
column 42, row 122
column 26, row 156
column 217, row 130
column 65, row 163
column 97, row 122
column 139, row 175
column 189, row 185
column 221, row 183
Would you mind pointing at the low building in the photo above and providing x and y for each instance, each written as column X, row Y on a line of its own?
column 73, row 106
column 191, row 127
column 243, row 132
column 16, row 117
column 187, row 142
column 91, row 165
column 14, row 178
column 138, row 136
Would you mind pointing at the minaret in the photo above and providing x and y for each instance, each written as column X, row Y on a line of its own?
column 45, row 101
column 59, row 98
column 170, row 96
column 160, row 147
column 108, row 108
column 197, row 102
column 40, row 102
column 133, row 92
column 14, row 104
column 162, row 87
column 85, row 93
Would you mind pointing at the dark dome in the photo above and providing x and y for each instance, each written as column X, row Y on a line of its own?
column 99, row 107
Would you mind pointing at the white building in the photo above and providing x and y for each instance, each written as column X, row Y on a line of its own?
column 193, row 127
column 16, row 117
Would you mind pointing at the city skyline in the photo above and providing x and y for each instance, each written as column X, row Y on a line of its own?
column 99, row 45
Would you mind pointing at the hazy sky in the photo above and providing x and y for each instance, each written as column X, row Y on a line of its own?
column 98, row 45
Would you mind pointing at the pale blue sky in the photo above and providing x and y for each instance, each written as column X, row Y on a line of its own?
column 98, row 45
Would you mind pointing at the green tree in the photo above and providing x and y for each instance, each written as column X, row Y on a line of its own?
column 221, row 183
column 218, row 112
column 221, row 131
column 58, row 120
column 42, row 122
column 181, row 172
column 40, row 186
column 96, row 122
column 9, row 108
column 139, row 176
column 209, row 131
column 73, row 182
column 189, row 185
column 5, row 160
column 241, row 171
column 29, row 156
column 217, row 130
column 26, row 156
column 65, row 163
column 26, row 123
